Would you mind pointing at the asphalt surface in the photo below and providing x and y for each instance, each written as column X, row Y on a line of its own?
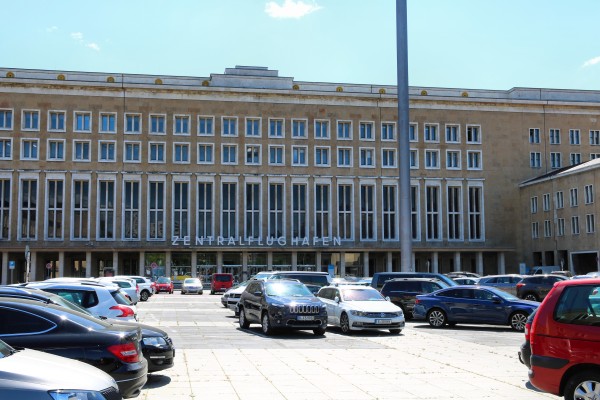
column 217, row 359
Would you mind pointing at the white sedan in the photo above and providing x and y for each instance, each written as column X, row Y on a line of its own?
column 354, row 307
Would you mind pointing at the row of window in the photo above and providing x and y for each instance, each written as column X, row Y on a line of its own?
column 590, row 226
column 535, row 159
column 288, row 213
column 559, row 201
column 574, row 136
column 181, row 153
column 182, row 125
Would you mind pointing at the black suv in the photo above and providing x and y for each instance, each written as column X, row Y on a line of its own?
column 536, row 287
column 403, row 291
column 281, row 304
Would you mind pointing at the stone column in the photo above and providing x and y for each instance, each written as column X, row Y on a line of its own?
column 245, row 274
column 412, row 261
column 501, row 263
column 194, row 262
column 88, row 264
column 342, row 264
column 435, row 262
column 168, row 263
column 33, row 266
column 61, row 264
column 318, row 261
column 219, row 262
column 457, row 266
column 294, row 261
column 365, row 264
column 389, row 265
column 269, row 261
column 479, row 262
column 5, row 270
column 116, row 262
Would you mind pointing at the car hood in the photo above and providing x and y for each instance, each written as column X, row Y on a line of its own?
column 295, row 299
column 236, row 290
column 45, row 371
column 372, row 306
column 147, row 330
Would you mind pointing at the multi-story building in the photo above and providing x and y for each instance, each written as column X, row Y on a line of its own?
column 247, row 171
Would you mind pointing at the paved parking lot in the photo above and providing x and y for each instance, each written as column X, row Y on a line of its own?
column 215, row 359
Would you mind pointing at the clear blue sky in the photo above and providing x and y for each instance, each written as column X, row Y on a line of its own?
column 473, row 44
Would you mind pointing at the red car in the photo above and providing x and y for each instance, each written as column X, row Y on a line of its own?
column 164, row 284
column 565, row 341
column 221, row 282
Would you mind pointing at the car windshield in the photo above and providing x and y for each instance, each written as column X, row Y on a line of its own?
column 288, row 289
column 362, row 295
column 223, row 278
column 67, row 304
column 164, row 280
column 5, row 350
column 503, row 294
column 192, row 280
column 120, row 297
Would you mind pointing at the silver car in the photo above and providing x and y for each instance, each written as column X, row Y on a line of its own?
column 508, row 282
column 34, row 375
column 192, row 285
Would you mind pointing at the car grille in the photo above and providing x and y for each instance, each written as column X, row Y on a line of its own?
column 382, row 315
column 235, row 295
column 111, row 394
column 169, row 341
column 304, row 309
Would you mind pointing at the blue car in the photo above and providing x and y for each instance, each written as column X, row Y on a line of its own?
column 473, row 305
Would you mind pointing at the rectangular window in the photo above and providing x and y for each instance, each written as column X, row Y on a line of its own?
column 574, row 136
column 276, row 210
column 229, row 154
column 322, row 156
column 413, row 133
column 299, row 211
column 299, row 129
column 560, row 227
column 414, row 159
column 56, row 150
column 56, row 121
column 534, row 135
column 253, row 154
column 454, row 213
column 546, row 201
column 432, row 159
column 156, row 210
column 158, row 124
column 593, row 156
column 229, row 126
column 554, row 136
column 595, row 138
column 452, row 159
column 575, row 225
column 205, row 153
column 474, row 160
column 575, row 158
column 6, row 119
column 322, row 221
column 535, row 230
column 452, row 134
column 30, row 120
column 157, row 152
column 388, row 131
column 589, row 194
column 106, row 210
column 415, row 223
column 299, row 156
column 555, row 160
column 344, row 130
column 431, row 133
column 535, row 159
column 276, row 128
column 345, row 219
column 253, row 127
column 560, row 200
column 81, row 210
column 574, row 197
column 181, row 153
column 534, row 204
column 228, row 209
column 54, row 210
column 389, row 212
column 107, row 151
column 28, row 206
column 83, row 122
column 388, row 158
column 475, row 213
column 367, row 212
column 181, row 125
column 133, row 124
column 29, row 149
column 322, row 129
column 367, row 157
column 204, row 226
column 5, row 204
column 344, row 157
column 108, row 123
column 132, row 152
column 366, row 131
column 5, row 149
column 432, row 210
column 205, row 126
column 276, row 155
column 81, row 150
column 590, row 224
column 253, row 225
column 181, row 209
column 131, row 210
column 473, row 134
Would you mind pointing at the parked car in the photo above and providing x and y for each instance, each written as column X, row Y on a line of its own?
column 462, row 274
column 281, row 304
column 99, row 300
column 473, row 305
column 314, row 280
column 466, row 280
column 128, row 285
column 403, row 291
column 157, row 346
column 380, row 278
column 63, row 332
column 34, row 375
column 231, row 298
column 536, row 287
column 507, row 282
column 565, row 337
column 565, row 273
column 164, row 284
column 192, row 285
column 525, row 350
column 145, row 285
column 220, row 282
column 262, row 275
column 357, row 307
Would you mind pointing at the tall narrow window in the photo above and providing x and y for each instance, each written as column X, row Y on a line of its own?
column 131, row 210
column 253, row 210
column 5, row 204
column 108, row 123
column 181, row 125
column 454, row 213
column 31, row 120
column 276, row 208
column 253, row 127
column 345, row 197
column 475, row 213
column 181, row 209
column 389, row 212
column 81, row 209
column 204, row 226
column 299, row 211
column 322, row 129
column 28, row 209
column 433, row 212
column 156, row 209
column 276, row 128
column 367, row 212
column 228, row 209
column 54, row 212
column 344, row 130
column 298, row 129
column 414, row 213
column 106, row 210
column 322, row 211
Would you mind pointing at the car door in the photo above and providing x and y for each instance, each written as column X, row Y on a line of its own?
column 459, row 304
column 487, row 307
column 252, row 302
column 326, row 295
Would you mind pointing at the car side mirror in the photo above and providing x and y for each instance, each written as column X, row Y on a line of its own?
column 258, row 293
column 337, row 299
column 496, row 300
column 387, row 298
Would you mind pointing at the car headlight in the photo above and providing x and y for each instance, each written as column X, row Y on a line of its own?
column 154, row 341
column 358, row 313
column 76, row 395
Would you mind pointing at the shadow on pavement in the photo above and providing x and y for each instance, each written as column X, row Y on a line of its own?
column 156, row 381
column 481, row 328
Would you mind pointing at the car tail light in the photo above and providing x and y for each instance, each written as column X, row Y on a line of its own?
column 417, row 301
column 527, row 330
column 126, row 352
column 137, row 288
column 520, row 285
column 125, row 311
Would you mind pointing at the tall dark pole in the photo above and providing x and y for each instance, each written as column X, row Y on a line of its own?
column 403, row 139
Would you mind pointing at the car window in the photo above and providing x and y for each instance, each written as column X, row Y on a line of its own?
column 223, row 278
column 481, row 294
column 579, row 305
column 120, row 298
column 535, row 279
column 362, row 295
column 287, row 289
column 515, row 279
column 459, row 293
column 17, row 322
column 428, row 287
column 489, row 280
column 83, row 298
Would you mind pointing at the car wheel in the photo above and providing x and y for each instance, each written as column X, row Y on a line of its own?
column 182, row 292
column 584, row 385
column 345, row 323
column 171, row 292
column 395, row 331
column 144, row 295
column 518, row 321
column 531, row 296
column 212, row 292
column 436, row 318
column 244, row 324
column 319, row 331
column 266, row 324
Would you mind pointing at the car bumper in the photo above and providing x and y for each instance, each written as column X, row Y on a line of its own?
column 546, row 373
column 296, row 322
column 359, row 323
column 159, row 357
column 191, row 290
column 525, row 354
column 131, row 378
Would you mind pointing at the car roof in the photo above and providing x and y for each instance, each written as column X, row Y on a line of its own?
column 72, row 286
column 300, row 272
column 575, row 282
column 413, row 280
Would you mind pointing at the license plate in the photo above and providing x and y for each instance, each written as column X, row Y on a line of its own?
column 306, row 318
column 383, row 321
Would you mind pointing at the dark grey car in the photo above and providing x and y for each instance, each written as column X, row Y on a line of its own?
column 536, row 287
